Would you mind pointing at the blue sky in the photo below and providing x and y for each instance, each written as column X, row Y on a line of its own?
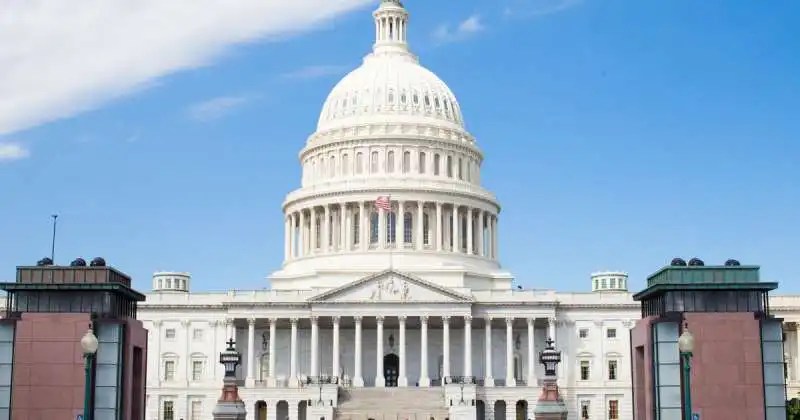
column 617, row 135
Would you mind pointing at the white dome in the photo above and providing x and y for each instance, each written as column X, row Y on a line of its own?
column 390, row 86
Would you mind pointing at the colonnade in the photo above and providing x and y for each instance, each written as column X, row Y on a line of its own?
column 416, row 225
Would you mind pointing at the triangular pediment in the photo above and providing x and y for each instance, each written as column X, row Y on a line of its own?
column 390, row 286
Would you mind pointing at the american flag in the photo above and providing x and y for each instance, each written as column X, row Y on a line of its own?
column 383, row 202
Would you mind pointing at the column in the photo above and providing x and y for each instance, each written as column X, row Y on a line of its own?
column 335, row 355
column 445, row 347
column 314, row 346
column 488, row 380
column 470, row 225
column 439, row 226
column 797, row 352
column 358, row 380
column 400, row 225
column 344, row 232
column 424, row 380
column 531, row 362
column 157, row 350
column 382, row 240
column 251, row 352
column 214, row 324
column 293, row 237
column 490, row 235
column 551, row 329
column 293, row 354
column 494, row 237
column 481, row 220
column 402, row 379
column 420, row 240
column 286, row 238
column 273, row 338
column 312, row 240
column 301, row 248
column 454, row 236
column 510, row 381
column 326, row 236
column 467, row 346
column 363, row 226
column 380, row 380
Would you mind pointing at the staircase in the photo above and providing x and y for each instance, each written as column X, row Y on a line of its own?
column 391, row 404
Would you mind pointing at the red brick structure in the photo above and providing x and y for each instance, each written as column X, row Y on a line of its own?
column 737, row 369
column 49, row 309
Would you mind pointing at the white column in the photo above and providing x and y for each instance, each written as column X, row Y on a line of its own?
column 445, row 347
column 314, row 346
column 326, row 237
column 488, row 380
column 313, row 232
column 551, row 329
column 363, row 227
column 467, row 346
column 454, row 236
column 420, row 239
column 293, row 354
column 439, row 223
column 424, row 380
column 358, row 380
column 382, row 239
column 380, row 380
column 251, row 352
column 510, row 381
column 344, row 232
column 797, row 352
column 402, row 379
column 481, row 220
column 301, row 248
column 157, row 350
column 494, row 237
column 531, row 362
column 335, row 345
column 400, row 225
column 470, row 226
column 293, row 237
column 286, row 238
column 489, row 236
column 273, row 338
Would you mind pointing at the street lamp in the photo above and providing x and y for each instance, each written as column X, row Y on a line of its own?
column 550, row 358
column 89, row 345
column 230, row 359
column 686, row 347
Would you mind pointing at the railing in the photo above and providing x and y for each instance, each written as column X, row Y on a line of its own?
column 460, row 380
column 322, row 380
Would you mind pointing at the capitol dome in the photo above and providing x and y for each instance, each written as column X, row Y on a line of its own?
column 390, row 86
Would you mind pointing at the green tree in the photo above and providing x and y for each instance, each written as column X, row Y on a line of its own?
column 793, row 409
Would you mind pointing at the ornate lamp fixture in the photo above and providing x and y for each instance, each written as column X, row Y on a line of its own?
column 230, row 358
column 550, row 358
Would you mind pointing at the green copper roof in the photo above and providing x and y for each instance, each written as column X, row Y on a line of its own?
column 704, row 275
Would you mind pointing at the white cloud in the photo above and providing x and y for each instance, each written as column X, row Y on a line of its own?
column 215, row 108
column 467, row 27
column 315, row 72
column 534, row 8
column 59, row 58
column 13, row 151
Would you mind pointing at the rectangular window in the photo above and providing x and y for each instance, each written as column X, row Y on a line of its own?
column 611, row 333
column 197, row 334
column 584, row 370
column 169, row 333
column 612, row 370
column 583, row 333
column 422, row 162
column 613, row 410
column 197, row 370
column 585, row 409
column 197, row 410
column 168, row 411
column 169, row 370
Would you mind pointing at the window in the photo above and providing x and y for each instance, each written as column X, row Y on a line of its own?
column 422, row 162
column 408, row 228
column 373, row 228
column 359, row 163
column 197, row 334
column 603, row 284
column 169, row 333
column 585, row 409
column 169, row 283
column 315, row 241
column 612, row 370
column 168, row 411
column 196, row 410
column 345, row 164
column 585, row 370
column 356, row 227
column 406, row 162
column 373, row 163
column 391, row 221
column 436, row 163
column 449, row 166
column 197, row 370
column 460, row 169
column 426, row 235
column 613, row 283
column 583, row 333
column 169, row 370
column 332, row 167
column 613, row 409
column 611, row 333
column 390, row 162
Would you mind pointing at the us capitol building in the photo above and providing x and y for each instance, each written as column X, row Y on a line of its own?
column 391, row 300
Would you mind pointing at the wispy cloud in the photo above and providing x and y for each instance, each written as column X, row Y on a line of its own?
column 314, row 72
column 468, row 27
column 13, row 151
column 61, row 58
column 535, row 8
column 215, row 108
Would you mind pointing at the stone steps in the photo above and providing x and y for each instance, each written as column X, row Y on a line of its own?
column 391, row 404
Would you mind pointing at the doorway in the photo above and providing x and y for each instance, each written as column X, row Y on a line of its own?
column 391, row 369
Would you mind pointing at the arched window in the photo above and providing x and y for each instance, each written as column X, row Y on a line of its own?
column 323, row 166
column 422, row 162
column 332, row 167
column 373, row 228
column 359, row 163
column 390, row 162
column 436, row 163
column 406, row 162
column 318, row 223
column 426, row 225
column 313, row 170
column 408, row 228
column 468, row 172
column 331, row 224
column 373, row 163
column 460, row 169
column 449, row 166
column 345, row 164
column 356, row 227
column 463, row 236
column 391, row 221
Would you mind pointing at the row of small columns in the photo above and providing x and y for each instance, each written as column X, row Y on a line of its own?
column 304, row 241
column 424, row 381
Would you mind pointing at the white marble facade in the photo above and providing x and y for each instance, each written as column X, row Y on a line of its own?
column 420, row 280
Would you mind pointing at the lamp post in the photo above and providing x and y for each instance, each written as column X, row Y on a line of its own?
column 686, row 347
column 230, row 406
column 550, row 358
column 550, row 405
column 89, row 345
column 230, row 359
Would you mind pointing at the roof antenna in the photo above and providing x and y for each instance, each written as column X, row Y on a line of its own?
column 53, row 242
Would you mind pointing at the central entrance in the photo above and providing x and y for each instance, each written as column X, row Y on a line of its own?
column 391, row 369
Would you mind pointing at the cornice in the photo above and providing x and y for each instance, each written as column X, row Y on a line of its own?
column 338, row 196
column 379, row 130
